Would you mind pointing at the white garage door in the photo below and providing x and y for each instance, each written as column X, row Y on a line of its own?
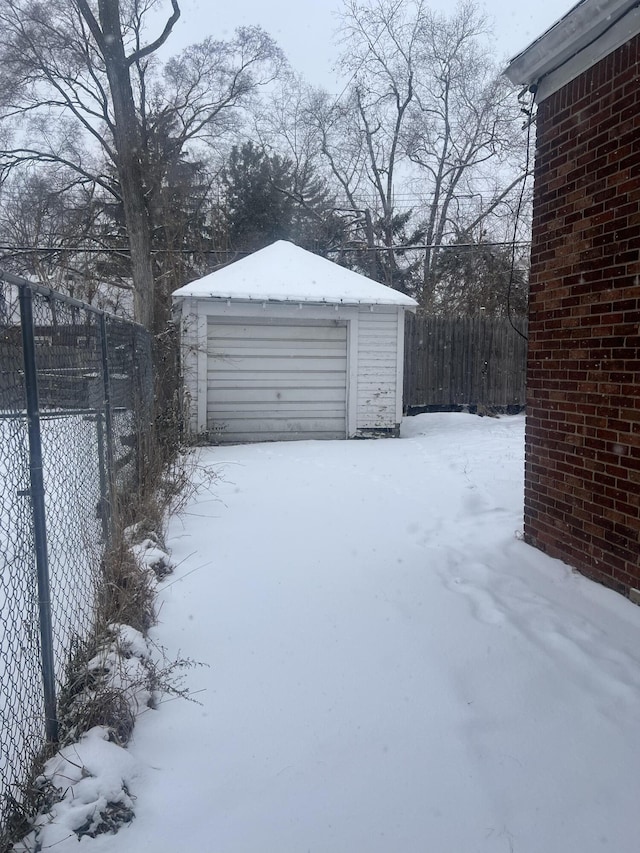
column 273, row 381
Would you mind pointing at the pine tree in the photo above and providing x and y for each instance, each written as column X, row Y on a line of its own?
column 266, row 199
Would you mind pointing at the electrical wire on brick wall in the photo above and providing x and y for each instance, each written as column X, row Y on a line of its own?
column 528, row 111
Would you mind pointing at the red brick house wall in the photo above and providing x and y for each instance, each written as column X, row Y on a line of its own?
column 582, row 479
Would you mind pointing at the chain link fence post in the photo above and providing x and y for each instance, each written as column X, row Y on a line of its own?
column 105, row 437
column 36, row 494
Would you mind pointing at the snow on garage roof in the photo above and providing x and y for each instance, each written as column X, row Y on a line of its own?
column 283, row 272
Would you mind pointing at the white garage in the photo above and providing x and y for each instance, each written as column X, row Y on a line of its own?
column 287, row 345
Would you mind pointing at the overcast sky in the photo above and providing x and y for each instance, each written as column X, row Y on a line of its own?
column 306, row 29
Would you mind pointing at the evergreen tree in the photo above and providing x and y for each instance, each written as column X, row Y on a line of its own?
column 479, row 278
column 265, row 199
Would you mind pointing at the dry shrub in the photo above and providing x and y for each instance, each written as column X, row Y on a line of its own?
column 108, row 708
column 33, row 798
column 112, row 817
column 89, row 697
column 127, row 591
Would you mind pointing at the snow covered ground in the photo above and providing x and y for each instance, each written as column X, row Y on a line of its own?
column 390, row 668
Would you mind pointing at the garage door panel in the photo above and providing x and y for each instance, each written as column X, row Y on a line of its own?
column 262, row 396
column 276, row 349
column 277, row 332
column 278, row 411
column 269, row 381
column 260, row 364
column 263, row 427
column 266, row 380
column 287, row 342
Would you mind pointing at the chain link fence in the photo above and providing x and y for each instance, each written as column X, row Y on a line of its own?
column 76, row 396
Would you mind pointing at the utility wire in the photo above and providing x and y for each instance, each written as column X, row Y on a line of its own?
column 201, row 251
column 530, row 119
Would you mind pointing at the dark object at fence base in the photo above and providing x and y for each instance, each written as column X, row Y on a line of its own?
column 477, row 409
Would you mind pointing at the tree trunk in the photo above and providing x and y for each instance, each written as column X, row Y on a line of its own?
column 128, row 148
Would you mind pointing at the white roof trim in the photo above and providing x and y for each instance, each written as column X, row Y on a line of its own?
column 585, row 35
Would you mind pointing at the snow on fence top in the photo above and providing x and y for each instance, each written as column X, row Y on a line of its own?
column 283, row 272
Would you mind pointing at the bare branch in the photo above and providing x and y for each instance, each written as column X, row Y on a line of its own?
column 140, row 53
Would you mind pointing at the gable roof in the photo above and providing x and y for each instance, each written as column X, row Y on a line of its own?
column 586, row 34
column 283, row 272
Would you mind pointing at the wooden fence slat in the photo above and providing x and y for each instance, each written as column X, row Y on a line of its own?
column 464, row 361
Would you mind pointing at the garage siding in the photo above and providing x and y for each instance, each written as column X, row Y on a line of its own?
column 276, row 380
column 377, row 367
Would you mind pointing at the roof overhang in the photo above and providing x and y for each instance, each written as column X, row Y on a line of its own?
column 220, row 299
column 585, row 35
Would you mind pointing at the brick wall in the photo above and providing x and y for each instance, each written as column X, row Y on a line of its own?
column 582, row 480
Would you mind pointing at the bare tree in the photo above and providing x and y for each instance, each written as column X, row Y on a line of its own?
column 426, row 113
column 81, row 90
column 462, row 127
column 340, row 142
column 380, row 54
column 69, row 63
column 46, row 207
column 384, row 90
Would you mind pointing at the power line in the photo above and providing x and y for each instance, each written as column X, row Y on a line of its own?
column 202, row 251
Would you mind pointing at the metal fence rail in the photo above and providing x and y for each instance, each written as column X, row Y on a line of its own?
column 76, row 393
column 473, row 361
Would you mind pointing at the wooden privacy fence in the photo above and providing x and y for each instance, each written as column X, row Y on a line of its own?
column 474, row 361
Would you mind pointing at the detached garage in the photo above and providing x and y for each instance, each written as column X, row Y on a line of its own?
column 287, row 345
